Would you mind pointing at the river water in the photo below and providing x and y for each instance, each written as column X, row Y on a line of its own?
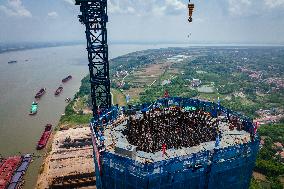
column 19, row 82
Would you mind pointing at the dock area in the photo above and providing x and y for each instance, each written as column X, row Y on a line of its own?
column 69, row 164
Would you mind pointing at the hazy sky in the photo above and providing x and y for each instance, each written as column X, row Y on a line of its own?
column 217, row 21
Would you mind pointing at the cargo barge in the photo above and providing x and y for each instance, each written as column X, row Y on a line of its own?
column 58, row 91
column 34, row 108
column 44, row 137
column 12, row 171
column 66, row 78
column 40, row 93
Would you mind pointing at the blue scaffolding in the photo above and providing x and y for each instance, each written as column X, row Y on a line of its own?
column 229, row 167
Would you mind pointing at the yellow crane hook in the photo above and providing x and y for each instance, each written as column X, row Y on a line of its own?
column 190, row 11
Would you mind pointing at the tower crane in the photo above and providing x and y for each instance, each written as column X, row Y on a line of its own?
column 94, row 16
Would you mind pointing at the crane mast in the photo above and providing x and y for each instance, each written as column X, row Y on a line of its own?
column 94, row 17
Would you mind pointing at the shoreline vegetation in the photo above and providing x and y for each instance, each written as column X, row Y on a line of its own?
column 145, row 75
column 80, row 115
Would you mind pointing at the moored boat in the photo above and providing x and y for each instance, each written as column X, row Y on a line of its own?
column 67, row 100
column 40, row 93
column 44, row 137
column 12, row 62
column 12, row 171
column 66, row 78
column 34, row 107
column 58, row 91
column 7, row 169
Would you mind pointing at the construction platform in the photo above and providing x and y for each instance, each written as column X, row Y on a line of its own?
column 173, row 143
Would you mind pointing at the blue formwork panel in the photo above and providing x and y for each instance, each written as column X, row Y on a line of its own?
column 155, row 181
column 230, row 168
column 235, row 173
column 142, row 182
column 133, row 180
column 108, row 182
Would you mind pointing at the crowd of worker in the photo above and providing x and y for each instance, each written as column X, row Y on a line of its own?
column 173, row 128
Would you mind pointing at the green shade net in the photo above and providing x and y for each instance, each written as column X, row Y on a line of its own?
column 190, row 108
